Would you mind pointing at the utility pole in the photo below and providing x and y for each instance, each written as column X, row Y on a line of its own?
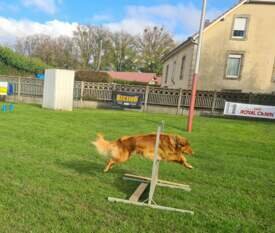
column 196, row 73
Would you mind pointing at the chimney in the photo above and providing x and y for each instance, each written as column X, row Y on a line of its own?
column 206, row 22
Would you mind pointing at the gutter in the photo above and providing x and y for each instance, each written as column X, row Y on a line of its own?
column 184, row 44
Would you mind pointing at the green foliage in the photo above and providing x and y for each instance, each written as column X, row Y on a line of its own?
column 20, row 62
column 9, row 70
column 120, row 81
column 52, row 178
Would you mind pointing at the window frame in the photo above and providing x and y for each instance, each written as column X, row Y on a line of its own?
column 166, row 74
column 182, row 67
column 247, row 17
column 236, row 54
column 174, row 71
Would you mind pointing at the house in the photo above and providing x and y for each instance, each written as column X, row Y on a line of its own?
column 139, row 77
column 238, row 52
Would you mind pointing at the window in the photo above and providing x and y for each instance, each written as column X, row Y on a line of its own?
column 233, row 68
column 239, row 27
column 273, row 72
column 182, row 68
column 173, row 72
column 166, row 74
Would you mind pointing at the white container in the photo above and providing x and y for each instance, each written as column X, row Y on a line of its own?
column 58, row 89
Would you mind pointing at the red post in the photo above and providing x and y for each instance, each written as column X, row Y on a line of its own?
column 192, row 103
column 196, row 72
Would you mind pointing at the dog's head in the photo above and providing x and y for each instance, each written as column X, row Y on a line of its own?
column 184, row 145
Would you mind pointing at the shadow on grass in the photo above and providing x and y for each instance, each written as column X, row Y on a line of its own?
column 91, row 168
column 94, row 169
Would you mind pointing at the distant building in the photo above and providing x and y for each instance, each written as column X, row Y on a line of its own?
column 145, row 78
column 238, row 52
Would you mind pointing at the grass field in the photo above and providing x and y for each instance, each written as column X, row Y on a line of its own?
column 52, row 181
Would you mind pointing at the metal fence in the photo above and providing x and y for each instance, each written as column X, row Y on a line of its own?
column 179, row 98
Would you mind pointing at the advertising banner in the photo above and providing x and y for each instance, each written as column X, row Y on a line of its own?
column 127, row 100
column 249, row 110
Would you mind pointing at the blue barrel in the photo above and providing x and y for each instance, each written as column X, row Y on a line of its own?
column 4, row 108
column 40, row 76
column 11, row 108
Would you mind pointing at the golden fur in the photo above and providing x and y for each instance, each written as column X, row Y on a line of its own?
column 171, row 148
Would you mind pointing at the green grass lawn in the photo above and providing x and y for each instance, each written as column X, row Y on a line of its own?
column 51, row 178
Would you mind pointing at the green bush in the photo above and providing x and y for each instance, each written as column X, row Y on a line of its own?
column 92, row 76
column 9, row 70
column 126, row 82
column 20, row 62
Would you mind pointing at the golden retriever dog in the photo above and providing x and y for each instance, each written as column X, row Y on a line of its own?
column 171, row 148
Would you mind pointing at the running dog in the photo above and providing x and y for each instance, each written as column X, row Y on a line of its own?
column 171, row 148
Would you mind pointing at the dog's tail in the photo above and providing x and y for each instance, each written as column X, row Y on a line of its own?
column 103, row 146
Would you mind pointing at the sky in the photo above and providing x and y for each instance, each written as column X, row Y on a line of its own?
column 19, row 18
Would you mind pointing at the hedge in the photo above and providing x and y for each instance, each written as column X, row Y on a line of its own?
column 92, row 76
column 20, row 62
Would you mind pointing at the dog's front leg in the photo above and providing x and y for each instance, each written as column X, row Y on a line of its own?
column 109, row 165
column 185, row 163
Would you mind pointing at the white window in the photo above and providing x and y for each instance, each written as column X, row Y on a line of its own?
column 239, row 27
column 233, row 69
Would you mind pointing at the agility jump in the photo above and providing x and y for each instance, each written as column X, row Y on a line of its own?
column 152, row 183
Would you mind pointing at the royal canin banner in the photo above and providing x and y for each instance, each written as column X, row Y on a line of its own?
column 249, row 110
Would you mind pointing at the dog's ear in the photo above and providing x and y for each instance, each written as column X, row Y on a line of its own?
column 181, row 141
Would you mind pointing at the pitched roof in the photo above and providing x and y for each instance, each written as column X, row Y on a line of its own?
column 134, row 76
column 215, row 21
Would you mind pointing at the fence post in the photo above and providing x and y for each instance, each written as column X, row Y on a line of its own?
column 179, row 101
column 81, row 91
column 214, row 101
column 18, row 88
column 113, row 86
column 146, row 98
column 250, row 98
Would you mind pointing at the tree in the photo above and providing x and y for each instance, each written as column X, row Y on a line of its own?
column 88, row 39
column 96, row 48
column 152, row 46
column 57, row 52
column 66, row 54
column 123, row 53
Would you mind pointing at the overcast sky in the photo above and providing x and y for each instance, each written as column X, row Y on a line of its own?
column 59, row 17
